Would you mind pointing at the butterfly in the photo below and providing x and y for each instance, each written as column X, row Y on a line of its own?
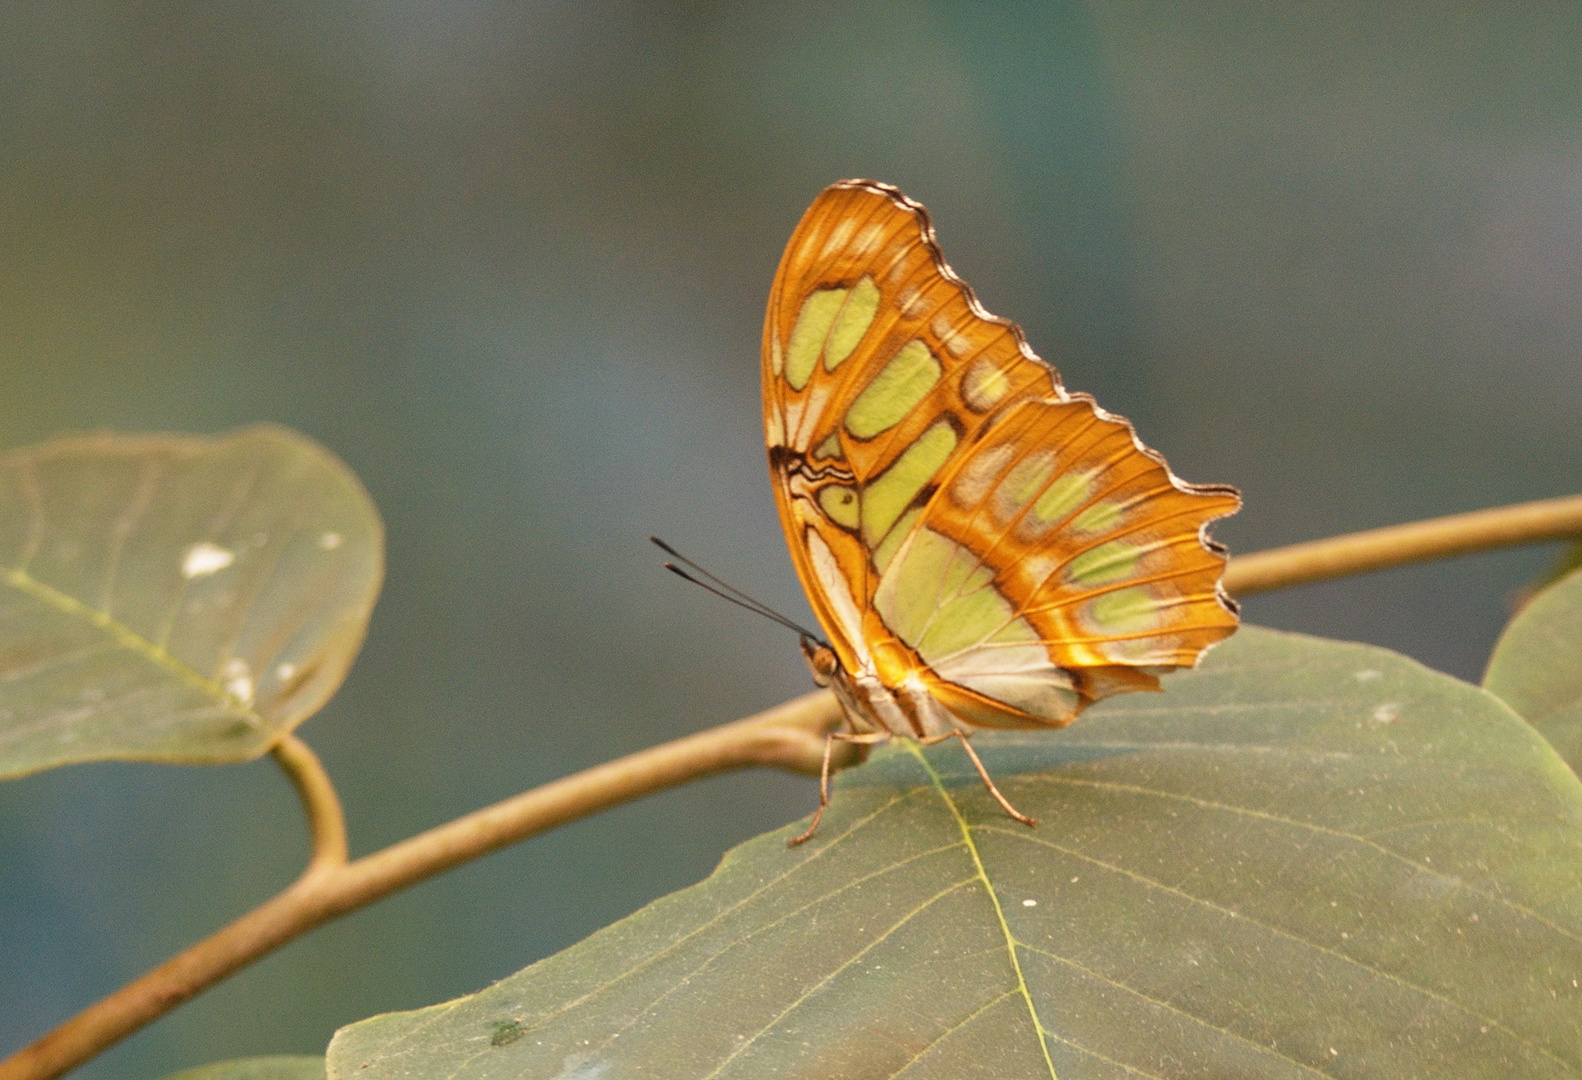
column 982, row 548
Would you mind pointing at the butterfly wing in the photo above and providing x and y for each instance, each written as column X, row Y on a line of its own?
column 960, row 522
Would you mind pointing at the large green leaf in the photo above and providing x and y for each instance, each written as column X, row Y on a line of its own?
column 174, row 598
column 1307, row 858
column 278, row 1067
column 1537, row 666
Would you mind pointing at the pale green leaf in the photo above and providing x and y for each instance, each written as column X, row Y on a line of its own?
column 174, row 598
column 278, row 1067
column 1305, row 859
column 1537, row 666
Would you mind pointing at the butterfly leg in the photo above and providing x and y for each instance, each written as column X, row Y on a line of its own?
column 866, row 739
column 1005, row 803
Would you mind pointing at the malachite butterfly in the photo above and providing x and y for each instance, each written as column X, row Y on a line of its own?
column 982, row 547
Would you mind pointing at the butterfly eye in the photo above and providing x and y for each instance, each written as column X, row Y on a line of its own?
column 821, row 661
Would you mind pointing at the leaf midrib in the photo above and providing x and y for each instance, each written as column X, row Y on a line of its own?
column 125, row 637
column 994, row 899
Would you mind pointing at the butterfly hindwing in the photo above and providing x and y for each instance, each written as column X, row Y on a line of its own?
column 960, row 522
column 1059, row 530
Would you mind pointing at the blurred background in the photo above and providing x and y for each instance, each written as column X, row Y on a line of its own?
column 509, row 261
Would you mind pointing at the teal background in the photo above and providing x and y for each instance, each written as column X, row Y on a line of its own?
column 509, row 262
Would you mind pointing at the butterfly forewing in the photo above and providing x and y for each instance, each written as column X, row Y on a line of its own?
column 960, row 522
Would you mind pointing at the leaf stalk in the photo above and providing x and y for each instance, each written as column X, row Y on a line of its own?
column 326, row 819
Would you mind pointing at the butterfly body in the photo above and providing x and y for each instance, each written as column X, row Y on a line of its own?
column 982, row 547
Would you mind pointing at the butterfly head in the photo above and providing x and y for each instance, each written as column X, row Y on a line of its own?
column 821, row 660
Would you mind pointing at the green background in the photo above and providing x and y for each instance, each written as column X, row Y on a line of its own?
column 509, row 262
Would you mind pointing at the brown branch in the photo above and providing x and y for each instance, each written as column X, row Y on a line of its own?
column 1396, row 545
column 326, row 821
column 789, row 736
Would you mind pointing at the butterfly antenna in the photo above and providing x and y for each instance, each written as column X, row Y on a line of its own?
column 725, row 591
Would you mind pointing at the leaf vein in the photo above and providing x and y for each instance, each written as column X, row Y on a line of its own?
column 949, row 1031
column 1323, row 830
column 755, row 931
column 1290, row 936
column 122, row 635
column 994, row 898
column 121, row 528
column 825, row 981
column 1163, row 1004
column 726, row 912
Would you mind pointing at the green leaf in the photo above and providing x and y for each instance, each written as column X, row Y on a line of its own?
column 1569, row 559
column 176, row 599
column 278, row 1067
column 1307, row 858
column 1537, row 666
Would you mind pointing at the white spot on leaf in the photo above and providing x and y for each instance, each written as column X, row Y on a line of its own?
column 285, row 671
column 331, row 540
column 1387, row 713
column 203, row 559
column 238, row 680
column 1029, row 903
column 1368, row 675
